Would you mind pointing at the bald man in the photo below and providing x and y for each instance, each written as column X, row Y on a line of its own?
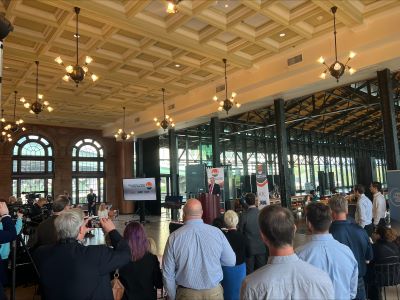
column 194, row 256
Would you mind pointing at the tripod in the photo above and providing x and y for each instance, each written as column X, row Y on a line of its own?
column 21, row 240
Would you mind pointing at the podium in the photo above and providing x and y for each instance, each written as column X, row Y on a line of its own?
column 211, row 207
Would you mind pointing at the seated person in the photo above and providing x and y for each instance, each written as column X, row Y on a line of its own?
column 313, row 196
column 103, row 211
column 142, row 275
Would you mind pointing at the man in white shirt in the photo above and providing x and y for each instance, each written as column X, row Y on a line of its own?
column 363, row 209
column 379, row 202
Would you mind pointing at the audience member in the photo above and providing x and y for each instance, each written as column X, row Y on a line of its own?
column 142, row 275
column 7, row 234
column 256, row 253
column 385, row 251
column 66, row 194
column 363, row 214
column 327, row 254
column 352, row 235
column 218, row 222
column 103, row 211
column 194, row 256
column 285, row 276
column 5, row 251
column 313, row 196
column 45, row 233
column 233, row 276
column 36, row 211
column 91, row 201
column 235, row 238
column 12, row 200
column 152, row 246
column 378, row 203
column 69, row 270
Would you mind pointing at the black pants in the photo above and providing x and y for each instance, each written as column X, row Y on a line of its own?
column 91, row 209
column 369, row 229
column 255, row 262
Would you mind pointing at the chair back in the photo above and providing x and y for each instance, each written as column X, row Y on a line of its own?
column 232, row 281
column 387, row 274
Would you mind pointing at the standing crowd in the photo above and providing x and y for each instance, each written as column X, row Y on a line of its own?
column 252, row 258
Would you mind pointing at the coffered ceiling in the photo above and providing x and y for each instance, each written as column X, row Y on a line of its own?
column 138, row 48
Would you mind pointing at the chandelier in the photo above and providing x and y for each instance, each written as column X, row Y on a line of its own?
column 167, row 121
column 16, row 125
column 227, row 104
column 121, row 132
column 5, row 135
column 77, row 73
column 172, row 6
column 37, row 107
column 336, row 69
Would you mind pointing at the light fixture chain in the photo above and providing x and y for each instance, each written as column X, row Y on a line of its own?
column 77, row 35
column 163, row 101
column 226, row 80
column 37, row 80
column 123, row 124
column 15, row 103
column 334, row 29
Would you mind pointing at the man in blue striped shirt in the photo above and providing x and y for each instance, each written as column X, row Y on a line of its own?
column 194, row 256
column 329, row 255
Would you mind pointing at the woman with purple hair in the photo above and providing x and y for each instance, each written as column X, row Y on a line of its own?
column 142, row 276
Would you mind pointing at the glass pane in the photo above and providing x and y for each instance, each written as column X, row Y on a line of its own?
column 79, row 143
column 49, row 151
column 88, row 141
column 32, row 149
column 74, row 166
column 50, row 166
column 84, row 184
column 49, row 186
column 101, row 166
column 14, row 187
column 33, row 137
column 88, row 151
column 96, row 144
column 74, row 152
column 44, row 141
column 101, row 152
column 21, row 140
column 15, row 166
column 32, row 186
column 32, row 166
column 15, row 152
column 73, row 191
column 88, row 166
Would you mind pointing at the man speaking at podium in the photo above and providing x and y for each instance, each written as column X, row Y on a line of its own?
column 214, row 188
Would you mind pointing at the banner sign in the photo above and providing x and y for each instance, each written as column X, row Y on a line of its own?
column 139, row 189
column 217, row 174
column 393, row 183
column 262, row 185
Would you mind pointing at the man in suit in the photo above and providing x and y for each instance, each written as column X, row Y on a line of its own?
column 69, row 270
column 256, row 252
column 91, row 201
column 214, row 188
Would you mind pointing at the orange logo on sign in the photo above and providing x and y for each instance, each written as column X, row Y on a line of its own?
column 214, row 172
column 149, row 185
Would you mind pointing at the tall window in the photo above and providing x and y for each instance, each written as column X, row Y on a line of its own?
column 87, row 170
column 33, row 166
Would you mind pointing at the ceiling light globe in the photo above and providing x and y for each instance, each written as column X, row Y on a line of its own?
column 238, row 105
column 220, row 108
column 221, row 103
column 234, row 94
column 65, row 78
column 88, row 59
column 22, row 99
column 86, row 69
column 352, row 71
column 31, row 112
column 215, row 98
column 26, row 105
column 40, row 96
column 69, row 69
column 158, row 123
column 155, row 119
column 50, row 109
column 2, row 120
column 46, row 103
column 323, row 75
column 23, row 128
column 171, row 7
column 94, row 77
column 58, row 60
column 321, row 60
column 352, row 54
column 337, row 66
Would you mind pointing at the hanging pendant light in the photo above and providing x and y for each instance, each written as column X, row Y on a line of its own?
column 172, row 6
column 38, row 106
column 77, row 73
column 227, row 104
column 5, row 135
column 167, row 120
column 336, row 69
column 121, row 134
column 16, row 125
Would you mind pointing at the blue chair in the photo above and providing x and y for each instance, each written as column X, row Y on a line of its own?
column 233, row 277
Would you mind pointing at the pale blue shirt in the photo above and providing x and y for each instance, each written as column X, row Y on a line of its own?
column 194, row 256
column 5, row 248
column 287, row 277
column 327, row 254
column 363, row 211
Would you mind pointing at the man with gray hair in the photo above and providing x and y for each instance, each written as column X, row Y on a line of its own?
column 45, row 233
column 69, row 270
column 194, row 256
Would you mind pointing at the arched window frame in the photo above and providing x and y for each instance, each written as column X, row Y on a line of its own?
column 89, row 168
column 23, row 163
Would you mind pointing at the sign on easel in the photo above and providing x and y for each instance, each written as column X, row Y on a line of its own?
column 262, row 185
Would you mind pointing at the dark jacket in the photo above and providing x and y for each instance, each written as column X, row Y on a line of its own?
column 248, row 225
column 216, row 190
column 356, row 238
column 238, row 243
column 69, row 270
column 141, row 278
column 45, row 234
column 7, row 235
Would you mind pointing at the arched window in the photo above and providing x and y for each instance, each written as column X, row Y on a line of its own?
column 33, row 166
column 87, row 170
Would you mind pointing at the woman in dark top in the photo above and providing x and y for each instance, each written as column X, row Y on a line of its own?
column 142, row 276
column 235, row 238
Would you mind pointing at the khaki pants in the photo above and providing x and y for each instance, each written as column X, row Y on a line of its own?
column 216, row 293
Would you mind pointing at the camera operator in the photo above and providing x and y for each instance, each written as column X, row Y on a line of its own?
column 7, row 234
column 36, row 211
column 46, row 233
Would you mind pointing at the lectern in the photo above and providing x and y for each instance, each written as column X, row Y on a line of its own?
column 211, row 207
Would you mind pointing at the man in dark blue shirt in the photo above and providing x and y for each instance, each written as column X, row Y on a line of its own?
column 352, row 235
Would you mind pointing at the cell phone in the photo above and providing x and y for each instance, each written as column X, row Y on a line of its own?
column 93, row 223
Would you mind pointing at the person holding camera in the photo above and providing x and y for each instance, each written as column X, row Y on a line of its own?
column 70, row 270
column 7, row 234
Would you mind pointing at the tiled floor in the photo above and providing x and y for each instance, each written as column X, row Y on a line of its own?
column 158, row 229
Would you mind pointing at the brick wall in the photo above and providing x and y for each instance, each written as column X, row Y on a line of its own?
column 63, row 139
